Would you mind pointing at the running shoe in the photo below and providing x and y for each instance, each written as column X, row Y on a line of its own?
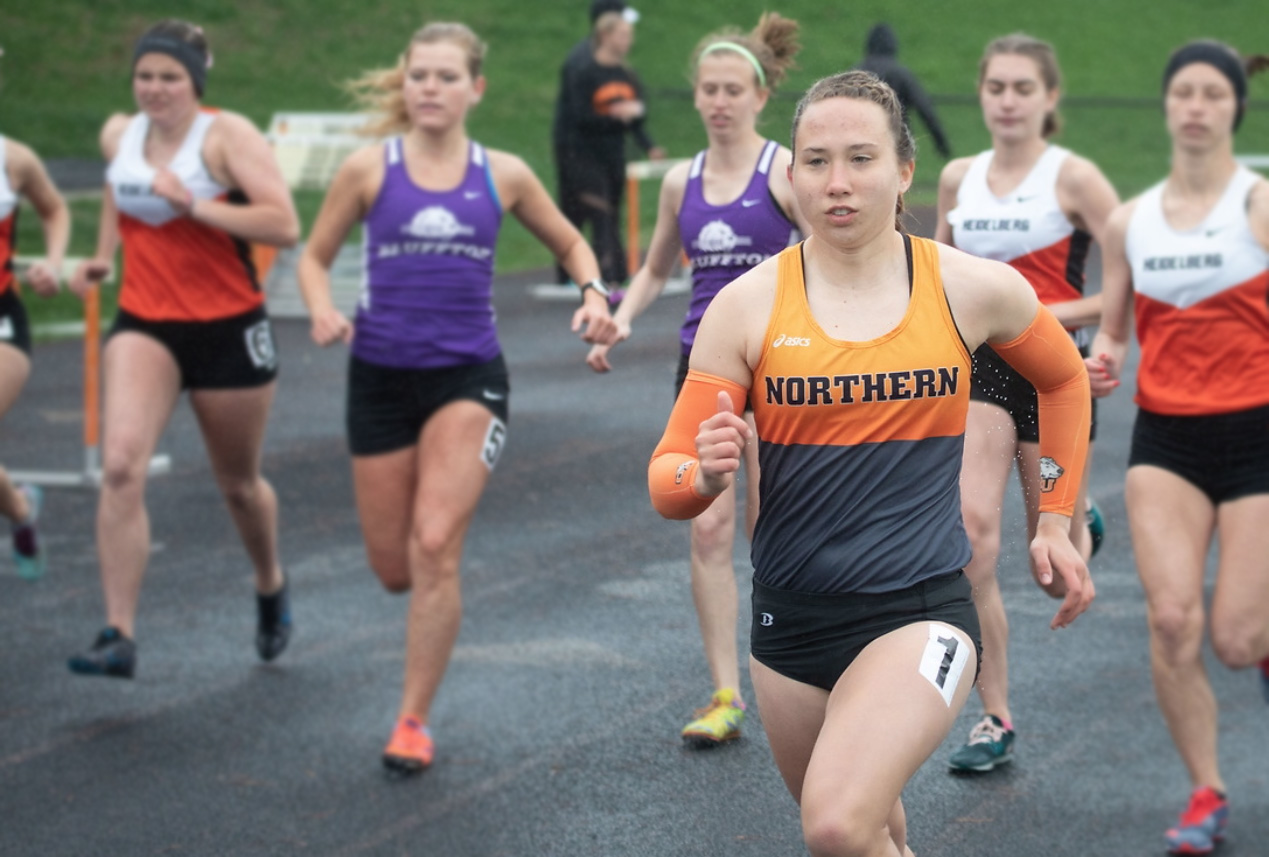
column 411, row 749
column 717, row 722
column 1096, row 526
column 1264, row 678
column 28, row 550
column 990, row 745
column 112, row 654
column 273, row 630
column 1202, row 824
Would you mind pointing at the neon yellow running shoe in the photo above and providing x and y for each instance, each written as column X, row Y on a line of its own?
column 718, row 722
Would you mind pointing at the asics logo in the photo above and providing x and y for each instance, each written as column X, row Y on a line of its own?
column 791, row 341
column 766, row 620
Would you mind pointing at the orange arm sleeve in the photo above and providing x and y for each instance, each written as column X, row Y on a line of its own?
column 672, row 471
column 1045, row 356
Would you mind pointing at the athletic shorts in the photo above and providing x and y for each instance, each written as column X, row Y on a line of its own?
column 223, row 354
column 387, row 407
column 1226, row 456
column 813, row 637
column 680, row 376
column 15, row 330
column 996, row 382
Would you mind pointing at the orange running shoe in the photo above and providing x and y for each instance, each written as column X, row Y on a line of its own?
column 410, row 751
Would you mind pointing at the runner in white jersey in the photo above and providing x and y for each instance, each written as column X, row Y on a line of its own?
column 23, row 175
column 729, row 208
column 1038, row 207
column 1191, row 257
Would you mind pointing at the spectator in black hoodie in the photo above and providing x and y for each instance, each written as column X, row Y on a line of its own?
column 880, row 57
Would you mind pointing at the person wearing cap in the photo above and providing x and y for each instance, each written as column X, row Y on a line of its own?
column 881, row 50
column 1189, row 258
column 601, row 100
column 188, row 190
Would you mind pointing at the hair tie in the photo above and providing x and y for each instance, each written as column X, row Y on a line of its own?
column 192, row 58
column 744, row 52
column 1218, row 57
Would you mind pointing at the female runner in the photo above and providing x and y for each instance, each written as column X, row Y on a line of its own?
column 730, row 207
column 427, row 384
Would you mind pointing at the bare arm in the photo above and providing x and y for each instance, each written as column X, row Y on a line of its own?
column 523, row 195
column 90, row 272
column 949, row 186
column 1110, row 345
column 239, row 156
column 347, row 200
column 649, row 281
column 29, row 179
column 1087, row 199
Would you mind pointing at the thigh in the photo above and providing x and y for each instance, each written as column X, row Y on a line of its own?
column 233, row 423
column 458, row 448
column 1171, row 521
column 1242, row 582
column 792, row 714
column 15, row 368
column 887, row 713
column 142, row 385
column 384, row 487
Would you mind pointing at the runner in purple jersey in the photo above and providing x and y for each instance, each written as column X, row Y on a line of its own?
column 729, row 208
column 427, row 386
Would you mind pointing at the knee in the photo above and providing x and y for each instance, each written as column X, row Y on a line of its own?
column 710, row 534
column 1177, row 630
column 839, row 835
column 1236, row 646
column 433, row 554
column 242, row 495
column 123, row 473
column 983, row 528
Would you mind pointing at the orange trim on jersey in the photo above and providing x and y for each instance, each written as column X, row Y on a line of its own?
column 1045, row 356
column 8, row 247
column 672, row 470
column 910, row 384
column 1046, row 271
column 610, row 94
column 1209, row 358
column 185, row 271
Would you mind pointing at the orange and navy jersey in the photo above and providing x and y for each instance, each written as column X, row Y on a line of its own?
column 860, row 443
column 1026, row 228
column 174, row 268
column 1202, row 307
column 8, row 223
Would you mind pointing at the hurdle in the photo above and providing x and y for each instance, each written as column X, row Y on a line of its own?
column 636, row 172
column 90, row 475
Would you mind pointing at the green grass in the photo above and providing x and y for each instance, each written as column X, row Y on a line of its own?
column 65, row 68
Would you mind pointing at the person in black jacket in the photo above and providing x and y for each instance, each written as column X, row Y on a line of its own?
column 600, row 100
column 881, row 49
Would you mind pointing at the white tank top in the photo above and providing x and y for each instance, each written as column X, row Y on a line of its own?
column 131, row 177
column 8, row 199
column 1026, row 220
column 1202, row 306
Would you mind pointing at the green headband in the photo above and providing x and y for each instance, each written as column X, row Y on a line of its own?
column 744, row 52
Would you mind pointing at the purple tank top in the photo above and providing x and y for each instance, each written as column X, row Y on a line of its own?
column 427, row 293
column 724, row 241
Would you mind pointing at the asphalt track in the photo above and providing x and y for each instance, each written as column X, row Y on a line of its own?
column 578, row 660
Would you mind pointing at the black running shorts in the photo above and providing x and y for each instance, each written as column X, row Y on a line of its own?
column 15, row 330
column 1226, row 456
column 222, row 354
column 387, row 407
column 812, row 637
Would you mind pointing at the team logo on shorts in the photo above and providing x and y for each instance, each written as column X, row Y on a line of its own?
column 766, row 620
column 1050, row 472
column 260, row 345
